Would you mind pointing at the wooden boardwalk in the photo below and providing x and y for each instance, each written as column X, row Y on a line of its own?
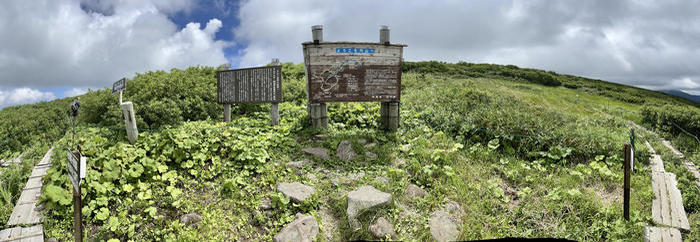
column 688, row 165
column 667, row 207
column 25, row 212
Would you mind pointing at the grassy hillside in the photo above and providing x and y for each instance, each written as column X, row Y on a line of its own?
column 524, row 153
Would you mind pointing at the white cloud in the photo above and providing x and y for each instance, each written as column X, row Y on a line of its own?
column 75, row 92
column 631, row 41
column 23, row 95
column 56, row 43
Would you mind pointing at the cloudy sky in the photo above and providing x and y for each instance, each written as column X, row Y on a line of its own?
column 57, row 48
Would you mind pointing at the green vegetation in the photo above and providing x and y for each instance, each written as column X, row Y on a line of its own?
column 525, row 153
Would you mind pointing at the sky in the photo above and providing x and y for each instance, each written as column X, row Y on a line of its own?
column 61, row 48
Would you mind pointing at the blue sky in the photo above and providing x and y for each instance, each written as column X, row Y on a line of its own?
column 56, row 48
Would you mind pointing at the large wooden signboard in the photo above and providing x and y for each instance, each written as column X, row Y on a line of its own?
column 250, row 85
column 353, row 71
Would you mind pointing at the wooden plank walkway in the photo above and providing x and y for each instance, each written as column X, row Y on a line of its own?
column 688, row 165
column 7, row 163
column 653, row 234
column 25, row 211
column 667, row 207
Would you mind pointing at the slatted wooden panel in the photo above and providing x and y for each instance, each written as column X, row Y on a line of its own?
column 29, row 234
column 250, row 85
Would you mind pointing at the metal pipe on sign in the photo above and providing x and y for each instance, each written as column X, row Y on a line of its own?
column 317, row 33
column 384, row 34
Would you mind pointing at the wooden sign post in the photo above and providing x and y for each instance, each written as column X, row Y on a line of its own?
column 627, row 169
column 128, row 110
column 353, row 72
column 251, row 85
column 74, row 174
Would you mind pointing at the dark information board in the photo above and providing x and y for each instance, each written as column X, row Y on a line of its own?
column 119, row 85
column 250, row 85
column 353, row 71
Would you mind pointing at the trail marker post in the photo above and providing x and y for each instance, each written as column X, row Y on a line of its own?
column 132, row 131
column 251, row 85
column 76, row 171
column 353, row 72
column 627, row 169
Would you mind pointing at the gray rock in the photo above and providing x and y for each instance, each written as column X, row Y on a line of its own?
column 52, row 240
column 454, row 210
column 382, row 180
column 443, row 227
column 370, row 155
column 345, row 151
column 304, row 228
column 413, row 191
column 335, row 182
column 266, row 204
column 381, row 228
column 296, row 191
column 321, row 153
column 400, row 162
column 363, row 199
column 298, row 164
column 362, row 141
column 191, row 219
column 370, row 145
column 311, row 177
column 356, row 176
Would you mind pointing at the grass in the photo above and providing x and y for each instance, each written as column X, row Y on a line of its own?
column 522, row 160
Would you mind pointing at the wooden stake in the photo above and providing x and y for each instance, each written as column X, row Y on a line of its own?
column 627, row 168
column 77, row 210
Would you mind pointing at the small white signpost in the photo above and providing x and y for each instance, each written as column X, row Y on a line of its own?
column 128, row 110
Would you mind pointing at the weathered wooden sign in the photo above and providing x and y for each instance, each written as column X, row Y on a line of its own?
column 73, row 169
column 119, row 86
column 76, row 171
column 250, row 85
column 353, row 71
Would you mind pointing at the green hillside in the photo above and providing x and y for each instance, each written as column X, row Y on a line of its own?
column 522, row 152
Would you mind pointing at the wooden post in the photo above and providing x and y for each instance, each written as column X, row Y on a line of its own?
column 627, row 167
column 77, row 216
column 132, row 131
column 318, row 113
column 274, row 114
column 227, row 112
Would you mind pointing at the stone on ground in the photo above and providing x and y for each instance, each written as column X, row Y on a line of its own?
column 370, row 155
column 363, row 199
column 345, row 151
column 266, row 204
column 382, row 180
column 442, row 227
column 296, row 191
column 321, row 153
column 329, row 222
column 298, row 164
column 413, row 191
column 381, row 228
column 303, row 228
column 444, row 224
column 370, row 145
column 192, row 219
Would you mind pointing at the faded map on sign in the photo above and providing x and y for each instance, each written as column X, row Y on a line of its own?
column 349, row 72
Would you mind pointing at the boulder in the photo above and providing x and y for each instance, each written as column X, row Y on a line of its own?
column 443, row 227
column 370, row 155
column 381, row 228
column 345, row 151
column 298, row 164
column 413, row 191
column 266, row 204
column 296, row 191
column 363, row 199
column 191, row 219
column 304, row 228
column 370, row 145
column 382, row 180
column 321, row 153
